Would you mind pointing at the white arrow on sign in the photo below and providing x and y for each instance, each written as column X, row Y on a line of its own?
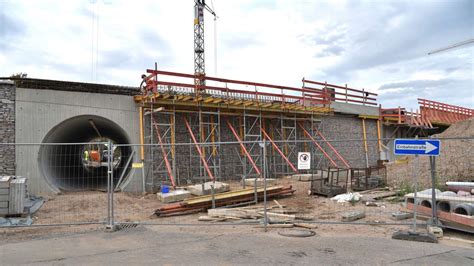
column 427, row 147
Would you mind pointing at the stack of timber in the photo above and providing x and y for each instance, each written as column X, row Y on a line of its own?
column 203, row 203
column 278, row 216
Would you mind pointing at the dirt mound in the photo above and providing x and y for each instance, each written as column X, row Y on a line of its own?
column 455, row 162
column 460, row 129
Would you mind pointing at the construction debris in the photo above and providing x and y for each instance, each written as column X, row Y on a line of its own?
column 377, row 194
column 202, row 203
column 207, row 187
column 173, row 196
column 401, row 215
column 435, row 230
column 353, row 216
column 347, row 197
column 306, row 225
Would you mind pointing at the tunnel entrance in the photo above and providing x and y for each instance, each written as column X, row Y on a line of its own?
column 75, row 166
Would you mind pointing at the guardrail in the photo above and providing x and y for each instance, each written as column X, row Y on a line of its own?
column 343, row 94
column 444, row 113
column 231, row 89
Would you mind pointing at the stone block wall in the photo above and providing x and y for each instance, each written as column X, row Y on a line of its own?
column 7, row 127
column 348, row 133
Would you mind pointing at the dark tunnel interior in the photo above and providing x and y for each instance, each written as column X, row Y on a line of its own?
column 64, row 166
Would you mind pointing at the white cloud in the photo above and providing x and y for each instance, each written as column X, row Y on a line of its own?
column 365, row 44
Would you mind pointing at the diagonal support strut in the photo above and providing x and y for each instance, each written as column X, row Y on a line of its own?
column 201, row 155
column 244, row 149
column 279, row 151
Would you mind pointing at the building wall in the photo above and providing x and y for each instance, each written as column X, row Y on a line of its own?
column 7, row 127
column 347, row 131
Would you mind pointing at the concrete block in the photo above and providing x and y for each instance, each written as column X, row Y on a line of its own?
column 353, row 216
column 173, row 196
column 205, row 189
column 401, row 215
column 251, row 181
column 411, row 236
column 435, row 230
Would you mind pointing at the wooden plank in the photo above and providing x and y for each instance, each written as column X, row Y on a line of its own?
column 306, row 225
column 224, row 195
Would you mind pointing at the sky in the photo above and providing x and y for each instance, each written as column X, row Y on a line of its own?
column 379, row 46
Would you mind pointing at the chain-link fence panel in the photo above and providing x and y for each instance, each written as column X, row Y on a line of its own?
column 55, row 184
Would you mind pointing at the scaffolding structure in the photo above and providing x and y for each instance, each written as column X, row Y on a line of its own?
column 248, row 112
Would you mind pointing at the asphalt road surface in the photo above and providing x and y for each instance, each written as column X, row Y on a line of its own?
column 220, row 245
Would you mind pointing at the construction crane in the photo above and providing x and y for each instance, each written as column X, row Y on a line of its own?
column 456, row 45
column 199, row 64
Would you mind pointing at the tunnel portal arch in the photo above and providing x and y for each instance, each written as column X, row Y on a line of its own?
column 63, row 166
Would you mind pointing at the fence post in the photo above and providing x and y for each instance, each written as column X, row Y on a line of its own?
column 434, row 215
column 415, row 178
column 265, row 218
column 110, row 187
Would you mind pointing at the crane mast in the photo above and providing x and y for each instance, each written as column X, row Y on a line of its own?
column 199, row 62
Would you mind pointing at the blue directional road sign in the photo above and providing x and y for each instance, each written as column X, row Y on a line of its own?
column 417, row 147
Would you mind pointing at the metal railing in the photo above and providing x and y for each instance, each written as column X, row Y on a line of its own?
column 344, row 94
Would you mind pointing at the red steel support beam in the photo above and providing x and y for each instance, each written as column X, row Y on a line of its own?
column 201, row 155
column 279, row 151
column 333, row 149
column 165, row 157
column 317, row 145
column 244, row 149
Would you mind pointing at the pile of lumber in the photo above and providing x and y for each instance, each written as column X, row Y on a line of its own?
column 203, row 203
column 277, row 216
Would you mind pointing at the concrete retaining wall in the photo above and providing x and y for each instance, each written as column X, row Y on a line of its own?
column 39, row 111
